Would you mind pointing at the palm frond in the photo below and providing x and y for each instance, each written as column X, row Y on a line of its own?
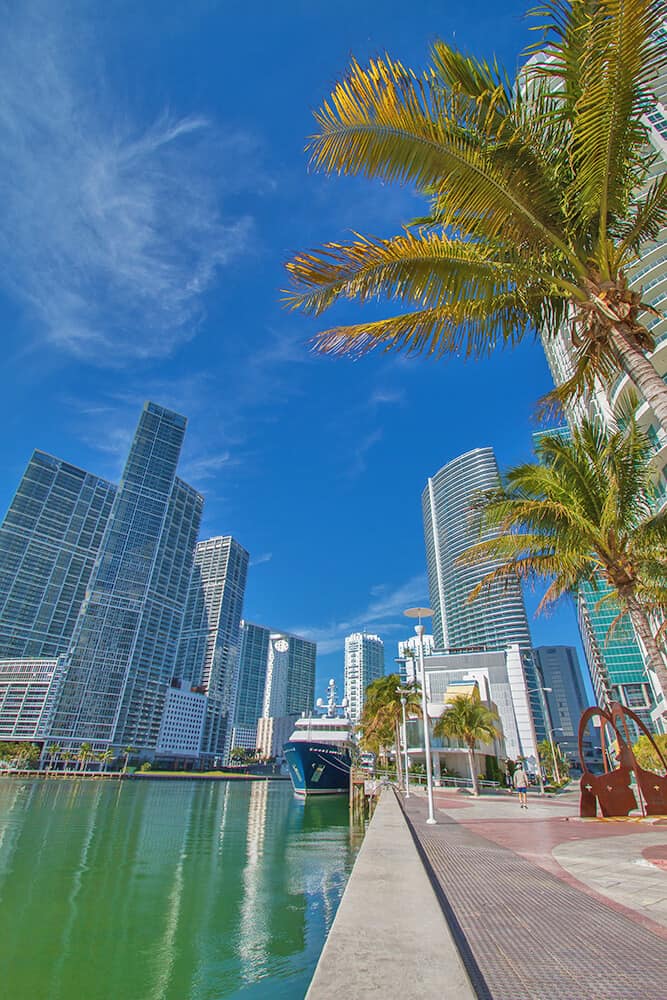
column 646, row 220
column 604, row 57
column 386, row 122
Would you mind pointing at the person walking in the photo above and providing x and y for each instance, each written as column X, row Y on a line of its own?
column 520, row 779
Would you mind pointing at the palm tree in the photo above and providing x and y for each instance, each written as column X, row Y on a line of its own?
column 584, row 512
column 106, row 757
column 84, row 755
column 533, row 188
column 128, row 751
column 53, row 751
column 383, row 713
column 469, row 720
column 67, row 757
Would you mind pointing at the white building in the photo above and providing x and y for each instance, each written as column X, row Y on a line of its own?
column 501, row 681
column 408, row 653
column 182, row 725
column 272, row 734
column 364, row 662
column 25, row 689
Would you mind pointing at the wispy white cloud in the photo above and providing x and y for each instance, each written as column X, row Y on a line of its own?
column 263, row 558
column 111, row 230
column 386, row 603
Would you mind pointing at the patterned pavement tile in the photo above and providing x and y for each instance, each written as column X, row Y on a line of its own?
column 525, row 933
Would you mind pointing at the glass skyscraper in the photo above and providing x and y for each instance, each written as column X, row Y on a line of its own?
column 497, row 618
column 252, row 674
column 123, row 650
column 208, row 655
column 49, row 540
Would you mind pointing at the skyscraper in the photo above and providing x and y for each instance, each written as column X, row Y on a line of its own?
column 49, row 540
column 253, row 663
column 497, row 618
column 290, row 675
column 208, row 654
column 364, row 662
column 123, row 650
column 559, row 670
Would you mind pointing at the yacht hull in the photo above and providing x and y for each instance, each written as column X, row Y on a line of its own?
column 318, row 768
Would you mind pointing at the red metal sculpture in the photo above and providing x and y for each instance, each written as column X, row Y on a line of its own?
column 613, row 790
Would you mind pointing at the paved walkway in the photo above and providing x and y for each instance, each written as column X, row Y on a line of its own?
column 545, row 906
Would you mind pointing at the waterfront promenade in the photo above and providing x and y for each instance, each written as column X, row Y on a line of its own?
column 540, row 904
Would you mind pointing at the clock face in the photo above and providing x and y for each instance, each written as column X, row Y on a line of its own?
column 281, row 645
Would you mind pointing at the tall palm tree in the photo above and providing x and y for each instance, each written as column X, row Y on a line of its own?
column 128, row 751
column 585, row 511
column 106, row 757
column 383, row 713
column 533, row 187
column 67, row 757
column 468, row 719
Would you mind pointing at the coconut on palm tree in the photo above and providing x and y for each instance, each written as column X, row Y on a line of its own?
column 383, row 713
column 470, row 720
column 584, row 512
column 538, row 197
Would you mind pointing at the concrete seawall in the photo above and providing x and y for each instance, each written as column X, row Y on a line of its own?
column 390, row 937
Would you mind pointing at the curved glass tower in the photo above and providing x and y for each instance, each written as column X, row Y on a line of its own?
column 498, row 617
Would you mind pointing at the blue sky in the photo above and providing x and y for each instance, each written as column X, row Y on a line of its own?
column 154, row 182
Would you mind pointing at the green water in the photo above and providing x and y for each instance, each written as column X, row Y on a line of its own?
column 176, row 889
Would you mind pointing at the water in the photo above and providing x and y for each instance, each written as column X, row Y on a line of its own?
column 174, row 890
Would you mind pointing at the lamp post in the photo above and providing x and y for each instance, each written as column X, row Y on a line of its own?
column 530, row 691
column 401, row 692
column 420, row 613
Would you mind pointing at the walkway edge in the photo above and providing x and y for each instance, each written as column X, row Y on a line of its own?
column 390, row 936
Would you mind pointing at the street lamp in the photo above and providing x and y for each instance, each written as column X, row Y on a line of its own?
column 420, row 613
column 402, row 692
column 530, row 691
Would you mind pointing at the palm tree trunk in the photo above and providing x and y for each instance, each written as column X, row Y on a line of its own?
column 473, row 774
column 642, row 627
column 399, row 768
column 643, row 374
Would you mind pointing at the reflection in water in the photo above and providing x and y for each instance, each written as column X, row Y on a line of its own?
column 168, row 890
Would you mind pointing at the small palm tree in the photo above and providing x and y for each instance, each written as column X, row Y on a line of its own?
column 468, row 719
column 53, row 751
column 585, row 511
column 383, row 713
column 67, row 756
column 533, row 213
column 84, row 755
column 128, row 751
column 106, row 757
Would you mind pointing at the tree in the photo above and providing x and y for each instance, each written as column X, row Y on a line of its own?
column 239, row 755
column 547, row 760
column 128, row 751
column 382, row 715
column 468, row 719
column 646, row 755
column 53, row 750
column 585, row 511
column 106, row 757
column 84, row 755
column 67, row 756
column 539, row 197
